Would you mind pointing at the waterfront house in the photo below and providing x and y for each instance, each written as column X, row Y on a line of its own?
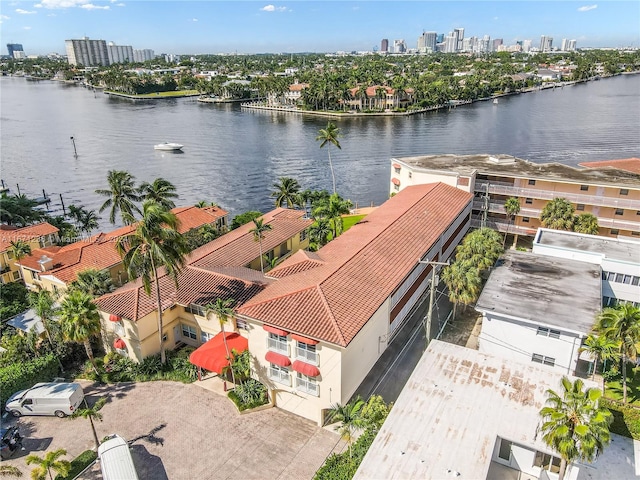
column 379, row 97
column 37, row 236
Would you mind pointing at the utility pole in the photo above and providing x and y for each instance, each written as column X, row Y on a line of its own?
column 485, row 206
column 75, row 152
column 427, row 320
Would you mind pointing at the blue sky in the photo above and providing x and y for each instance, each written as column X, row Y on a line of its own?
column 208, row 26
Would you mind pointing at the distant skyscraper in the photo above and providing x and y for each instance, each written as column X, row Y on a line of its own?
column 571, row 45
column 427, row 42
column 384, row 45
column 496, row 43
column 399, row 46
column 140, row 56
column 440, row 38
column 87, row 52
column 459, row 34
column 450, row 43
column 119, row 53
column 526, row 45
column 545, row 43
column 15, row 50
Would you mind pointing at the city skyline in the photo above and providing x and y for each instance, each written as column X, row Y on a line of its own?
column 197, row 27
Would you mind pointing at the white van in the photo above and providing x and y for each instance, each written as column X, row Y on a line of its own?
column 115, row 460
column 59, row 399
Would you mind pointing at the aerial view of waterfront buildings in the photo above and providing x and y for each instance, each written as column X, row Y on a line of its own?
column 418, row 245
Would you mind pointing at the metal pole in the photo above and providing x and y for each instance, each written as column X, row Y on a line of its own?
column 18, row 189
column 428, row 319
column 75, row 152
column 64, row 212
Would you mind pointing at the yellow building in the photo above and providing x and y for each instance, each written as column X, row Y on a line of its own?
column 37, row 236
column 609, row 190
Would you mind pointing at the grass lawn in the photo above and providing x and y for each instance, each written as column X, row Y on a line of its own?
column 174, row 93
column 614, row 387
column 350, row 221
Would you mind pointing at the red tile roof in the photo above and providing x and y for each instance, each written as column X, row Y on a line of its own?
column 298, row 87
column 25, row 234
column 629, row 164
column 334, row 298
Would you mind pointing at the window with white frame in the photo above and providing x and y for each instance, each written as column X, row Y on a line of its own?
column 537, row 358
column 188, row 331
column 547, row 462
column 307, row 353
column 196, row 309
column 307, row 384
column 118, row 329
column 242, row 324
column 548, row 332
column 206, row 336
column 279, row 374
column 278, row 343
column 16, row 275
column 303, row 235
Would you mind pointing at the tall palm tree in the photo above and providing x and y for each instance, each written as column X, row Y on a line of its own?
column 333, row 209
column 602, row 349
column 575, row 424
column 122, row 193
column 88, row 221
column 155, row 243
column 512, row 208
column 349, row 417
column 43, row 304
column 330, row 136
column 80, row 320
column 48, row 463
column 586, row 223
column 320, row 230
column 481, row 247
column 286, row 192
column 223, row 309
column 92, row 413
column 558, row 214
column 622, row 325
column 20, row 249
column 160, row 191
column 258, row 235
column 94, row 282
column 463, row 282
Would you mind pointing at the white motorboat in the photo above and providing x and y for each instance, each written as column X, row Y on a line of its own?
column 168, row 146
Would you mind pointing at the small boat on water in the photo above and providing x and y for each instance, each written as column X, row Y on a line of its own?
column 495, row 101
column 166, row 146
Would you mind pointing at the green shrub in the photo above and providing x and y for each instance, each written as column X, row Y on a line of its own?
column 149, row 366
column 339, row 466
column 21, row 376
column 250, row 394
column 78, row 464
column 626, row 419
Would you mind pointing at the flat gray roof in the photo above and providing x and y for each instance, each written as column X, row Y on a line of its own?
column 507, row 165
column 544, row 290
column 611, row 248
column 27, row 320
column 450, row 413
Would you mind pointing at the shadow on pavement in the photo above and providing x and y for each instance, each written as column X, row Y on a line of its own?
column 32, row 445
column 97, row 390
column 148, row 466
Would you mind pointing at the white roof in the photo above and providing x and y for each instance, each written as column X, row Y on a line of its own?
column 62, row 390
column 450, row 413
column 115, row 460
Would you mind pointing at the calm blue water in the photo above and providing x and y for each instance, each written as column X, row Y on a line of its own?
column 233, row 157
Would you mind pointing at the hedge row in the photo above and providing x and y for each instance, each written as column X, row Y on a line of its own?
column 21, row 376
column 339, row 466
column 626, row 419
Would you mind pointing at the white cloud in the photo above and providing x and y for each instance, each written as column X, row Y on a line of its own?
column 273, row 8
column 91, row 6
column 194, row 19
column 59, row 4
column 4, row 17
column 120, row 5
column 25, row 12
column 586, row 8
column 26, row 28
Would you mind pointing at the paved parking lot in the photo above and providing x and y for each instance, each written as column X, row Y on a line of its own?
column 186, row 432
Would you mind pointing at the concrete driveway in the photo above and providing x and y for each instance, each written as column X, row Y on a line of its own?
column 186, row 432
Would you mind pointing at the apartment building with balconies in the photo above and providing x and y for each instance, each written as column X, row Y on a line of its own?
column 609, row 190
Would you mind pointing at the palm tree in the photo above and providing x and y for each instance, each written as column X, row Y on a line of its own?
column 48, row 463
column 122, row 194
column 481, row 248
column 512, row 208
column 575, row 424
column 223, row 309
column 80, row 320
column 320, row 230
column 154, row 243
column 20, row 249
column 88, row 221
column 10, row 471
column 558, row 214
column 330, row 136
column 586, row 223
column 621, row 324
column 43, row 304
column 258, row 235
column 94, row 282
column 286, row 192
column 333, row 209
column 601, row 348
column 349, row 417
column 92, row 413
column 160, row 191
column 463, row 282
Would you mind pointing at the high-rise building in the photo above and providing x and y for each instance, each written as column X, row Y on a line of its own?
column 140, row 56
column 399, row 46
column 450, row 43
column 440, row 38
column 384, row 45
column 496, row 43
column 526, row 45
column 119, row 53
column 427, row 42
column 87, row 52
column 15, row 50
column 571, row 45
column 459, row 34
column 546, row 43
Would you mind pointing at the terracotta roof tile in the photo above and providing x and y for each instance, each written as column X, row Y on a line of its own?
column 629, row 164
column 362, row 267
column 25, row 234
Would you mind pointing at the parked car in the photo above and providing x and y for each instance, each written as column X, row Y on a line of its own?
column 10, row 442
column 57, row 398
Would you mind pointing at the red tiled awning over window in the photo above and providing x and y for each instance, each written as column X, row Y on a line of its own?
column 277, row 359
column 119, row 344
column 306, row 368
column 114, row 318
column 395, row 181
column 302, row 339
column 212, row 356
column 275, row 330
column 396, row 165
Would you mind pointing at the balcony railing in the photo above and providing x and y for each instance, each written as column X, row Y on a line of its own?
column 499, row 188
column 307, row 356
column 503, row 226
column 279, row 376
column 308, row 386
column 278, row 346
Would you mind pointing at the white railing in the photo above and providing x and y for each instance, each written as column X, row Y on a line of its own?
column 280, row 376
column 308, row 386
column 307, row 356
column 278, row 346
column 503, row 226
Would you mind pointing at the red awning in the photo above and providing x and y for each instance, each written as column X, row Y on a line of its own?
column 395, row 181
column 212, row 356
column 277, row 359
column 306, row 368
column 114, row 318
column 302, row 339
column 275, row 330
column 119, row 344
column 396, row 165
